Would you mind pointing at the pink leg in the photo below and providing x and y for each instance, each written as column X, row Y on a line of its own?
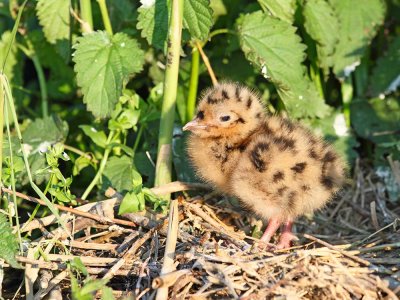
column 273, row 226
column 287, row 236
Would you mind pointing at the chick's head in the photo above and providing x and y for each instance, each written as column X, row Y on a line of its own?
column 227, row 110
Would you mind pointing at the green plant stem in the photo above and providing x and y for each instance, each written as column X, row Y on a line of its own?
column 103, row 163
column 193, row 84
column 138, row 137
column 1, row 131
column 43, row 197
column 104, row 16
column 42, row 84
column 13, row 179
column 86, row 15
column 347, row 96
column 316, row 78
column 164, row 159
column 80, row 153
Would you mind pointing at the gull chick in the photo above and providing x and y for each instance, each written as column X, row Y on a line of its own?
column 276, row 167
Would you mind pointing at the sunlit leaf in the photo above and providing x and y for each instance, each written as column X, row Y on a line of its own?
column 275, row 48
column 102, row 64
column 281, row 9
column 8, row 243
column 197, row 18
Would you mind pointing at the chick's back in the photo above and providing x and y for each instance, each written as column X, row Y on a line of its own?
column 275, row 166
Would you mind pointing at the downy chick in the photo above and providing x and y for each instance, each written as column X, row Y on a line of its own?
column 276, row 167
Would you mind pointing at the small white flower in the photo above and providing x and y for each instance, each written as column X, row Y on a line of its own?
column 350, row 68
column 147, row 3
column 44, row 147
column 27, row 148
column 340, row 125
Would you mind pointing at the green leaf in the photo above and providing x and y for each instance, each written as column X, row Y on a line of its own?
column 274, row 47
column 102, row 64
column 153, row 23
column 386, row 75
column 376, row 120
column 132, row 202
column 197, row 18
column 281, row 9
column 322, row 24
column 78, row 265
column 44, row 132
column 10, row 70
column 120, row 174
column 107, row 293
column 8, row 243
column 54, row 16
column 80, row 163
column 98, row 137
column 358, row 25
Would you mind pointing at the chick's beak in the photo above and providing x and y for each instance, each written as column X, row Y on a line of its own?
column 194, row 125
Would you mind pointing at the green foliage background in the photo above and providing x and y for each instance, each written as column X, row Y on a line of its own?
column 88, row 97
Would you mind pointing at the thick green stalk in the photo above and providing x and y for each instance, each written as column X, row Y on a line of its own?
column 86, row 15
column 103, row 163
column 316, row 78
column 42, row 84
column 194, row 80
column 347, row 96
column 164, row 160
column 105, row 17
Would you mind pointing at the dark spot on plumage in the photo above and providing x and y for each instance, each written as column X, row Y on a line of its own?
column 200, row 115
column 281, row 190
column 258, row 115
column 268, row 130
column 240, row 120
column 312, row 140
column 237, row 94
column 327, row 182
column 255, row 156
column 249, row 101
column 211, row 100
column 224, row 94
column 313, row 154
column 292, row 199
column 305, row 187
column 229, row 148
column 288, row 125
column 299, row 167
column 242, row 147
column 278, row 176
column 329, row 157
column 284, row 143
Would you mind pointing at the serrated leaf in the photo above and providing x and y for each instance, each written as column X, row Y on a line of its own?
column 8, row 243
column 376, row 120
column 281, row 9
column 102, row 64
column 322, row 24
column 153, row 23
column 120, row 174
column 357, row 26
column 54, row 16
column 274, row 47
column 197, row 18
column 386, row 75
column 44, row 132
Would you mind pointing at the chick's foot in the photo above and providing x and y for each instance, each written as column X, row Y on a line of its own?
column 272, row 228
column 287, row 236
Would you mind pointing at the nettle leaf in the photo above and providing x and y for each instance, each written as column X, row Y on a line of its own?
column 153, row 22
column 8, row 243
column 275, row 48
column 132, row 202
column 98, row 137
column 45, row 132
column 321, row 24
column 102, row 64
column 197, row 18
column 54, row 16
column 120, row 174
column 386, row 75
column 281, row 9
column 357, row 26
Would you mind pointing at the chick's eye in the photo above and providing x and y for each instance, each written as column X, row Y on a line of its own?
column 225, row 118
column 200, row 115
